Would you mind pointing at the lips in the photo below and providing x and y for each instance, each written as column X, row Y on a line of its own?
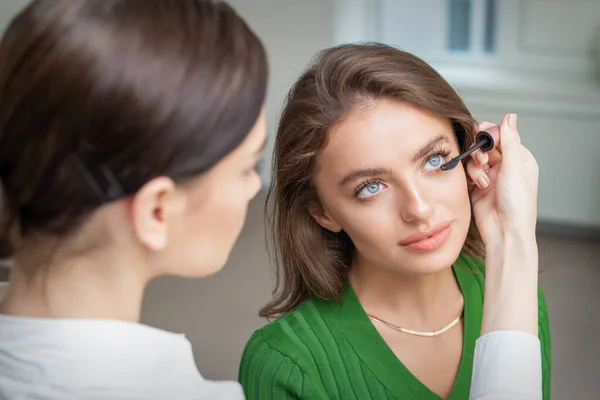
column 429, row 240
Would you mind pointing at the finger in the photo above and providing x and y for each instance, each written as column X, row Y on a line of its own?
column 480, row 157
column 511, row 141
column 529, row 158
column 526, row 154
column 485, row 125
column 494, row 157
column 477, row 174
column 476, row 192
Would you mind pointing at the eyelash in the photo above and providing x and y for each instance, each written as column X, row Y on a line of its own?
column 437, row 152
column 441, row 152
column 364, row 185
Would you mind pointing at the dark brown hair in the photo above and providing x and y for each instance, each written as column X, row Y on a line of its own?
column 97, row 97
column 310, row 259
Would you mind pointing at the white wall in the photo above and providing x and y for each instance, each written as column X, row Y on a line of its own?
column 542, row 72
column 548, row 82
column 293, row 31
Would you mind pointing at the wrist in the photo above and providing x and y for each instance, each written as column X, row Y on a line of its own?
column 513, row 245
column 511, row 285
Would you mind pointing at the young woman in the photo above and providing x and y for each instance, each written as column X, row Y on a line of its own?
column 129, row 133
column 381, row 254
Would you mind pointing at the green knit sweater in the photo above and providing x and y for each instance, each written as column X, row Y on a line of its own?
column 328, row 350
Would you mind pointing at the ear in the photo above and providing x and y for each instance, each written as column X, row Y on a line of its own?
column 323, row 219
column 152, row 208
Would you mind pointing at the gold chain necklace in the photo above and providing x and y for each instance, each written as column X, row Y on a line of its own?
column 417, row 333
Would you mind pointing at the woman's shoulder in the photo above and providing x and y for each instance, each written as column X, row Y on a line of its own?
column 292, row 331
column 282, row 356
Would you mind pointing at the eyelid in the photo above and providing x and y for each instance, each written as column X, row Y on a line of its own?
column 437, row 150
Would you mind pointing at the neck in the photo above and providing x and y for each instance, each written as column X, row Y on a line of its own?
column 422, row 302
column 103, row 286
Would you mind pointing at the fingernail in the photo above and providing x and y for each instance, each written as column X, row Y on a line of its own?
column 512, row 121
column 483, row 181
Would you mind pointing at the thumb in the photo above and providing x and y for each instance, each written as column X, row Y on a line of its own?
column 510, row 140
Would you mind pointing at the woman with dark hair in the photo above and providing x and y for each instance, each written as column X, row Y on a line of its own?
column 129, row 135
column 383, row 257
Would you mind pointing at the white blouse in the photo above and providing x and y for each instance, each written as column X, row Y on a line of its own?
column 67, row 359
column 99, row 360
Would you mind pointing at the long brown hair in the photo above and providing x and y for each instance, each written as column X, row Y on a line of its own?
column 311, row 260
column 97, row 97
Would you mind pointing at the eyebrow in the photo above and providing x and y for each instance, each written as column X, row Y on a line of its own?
column 364, row 173
column 429, row 147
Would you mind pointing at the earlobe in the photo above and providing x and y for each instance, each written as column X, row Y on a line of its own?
column 323, row 219
column 150, row 209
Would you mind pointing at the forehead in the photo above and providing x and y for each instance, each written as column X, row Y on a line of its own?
column 388, row 131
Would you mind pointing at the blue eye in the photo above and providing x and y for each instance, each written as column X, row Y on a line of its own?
column 373, row 187
column 370, row 189
column 435, row 161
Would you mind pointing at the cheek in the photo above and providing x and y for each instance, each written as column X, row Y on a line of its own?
column 227, row 211
column 368, row 222
column 216, row 222
column 458, row 187
column 454, row 195
column 371, row 224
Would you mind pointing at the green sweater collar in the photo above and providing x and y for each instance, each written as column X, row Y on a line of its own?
column 351, row 320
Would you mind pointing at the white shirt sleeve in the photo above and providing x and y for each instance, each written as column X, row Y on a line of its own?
column 507, row 366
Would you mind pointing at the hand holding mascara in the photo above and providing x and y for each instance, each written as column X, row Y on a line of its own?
column 506, row 176
column 505, row 212
column 484, row 141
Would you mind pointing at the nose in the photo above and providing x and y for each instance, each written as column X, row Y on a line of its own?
column 415, row 204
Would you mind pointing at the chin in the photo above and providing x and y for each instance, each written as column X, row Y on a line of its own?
column 434, row 262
